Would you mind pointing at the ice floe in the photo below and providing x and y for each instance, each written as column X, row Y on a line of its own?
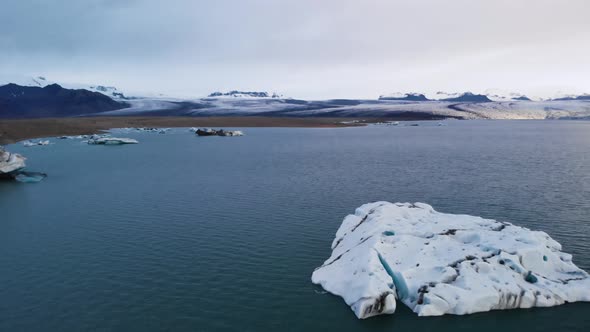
column 32, row 143
column 111, row 141
column 10, row 162
column 220, row 132
column 12, row 165
column 437, row 263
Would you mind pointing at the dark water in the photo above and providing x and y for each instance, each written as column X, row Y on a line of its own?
column 221, row 234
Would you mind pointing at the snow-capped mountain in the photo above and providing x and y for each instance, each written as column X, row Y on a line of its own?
column 52, row 100
column 410, row 96
column 459, row 97
column 37, row 81
column 244, row 94
column 110, row 91
column 469, row 97
column 440, row 95
column 42, row 81
column 584, row 96
column 503, row 95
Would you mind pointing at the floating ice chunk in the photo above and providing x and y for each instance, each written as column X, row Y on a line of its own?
column 31, row 143
column 10, row 162
column 150, row 129
column 438, row 263
column 220, row 132
column 112, row 141
column 12, row 165
column 230, row 133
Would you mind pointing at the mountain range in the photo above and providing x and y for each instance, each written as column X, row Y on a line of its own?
column 52, row 100
column 39, row 97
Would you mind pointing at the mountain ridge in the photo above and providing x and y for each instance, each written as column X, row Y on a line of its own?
column 52, row 100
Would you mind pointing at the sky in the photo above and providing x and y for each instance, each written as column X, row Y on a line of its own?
column 314, row 49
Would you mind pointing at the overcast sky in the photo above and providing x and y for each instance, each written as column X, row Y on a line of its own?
column 301, row 48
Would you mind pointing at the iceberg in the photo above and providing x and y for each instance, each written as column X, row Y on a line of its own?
column 438, row 263
column 220, row 132
column 10, row 162
column 230, row 133
column 150, row 129
column 31, row 143
column 12, row 165
column 112, row 141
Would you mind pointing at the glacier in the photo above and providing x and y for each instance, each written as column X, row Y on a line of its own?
column 492, row 104
column 437, row 263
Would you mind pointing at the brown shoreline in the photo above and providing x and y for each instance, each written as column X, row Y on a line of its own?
column 12, row 131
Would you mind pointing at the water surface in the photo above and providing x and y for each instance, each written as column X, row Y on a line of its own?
column 222, row 233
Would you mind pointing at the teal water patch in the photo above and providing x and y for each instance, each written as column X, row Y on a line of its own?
column 530, row 277
column 30, row 177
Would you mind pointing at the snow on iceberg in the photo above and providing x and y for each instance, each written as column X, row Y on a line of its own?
column 437, row 263
column 31, row 143
column 10, row 162
column 12, row 167
column 112, row 141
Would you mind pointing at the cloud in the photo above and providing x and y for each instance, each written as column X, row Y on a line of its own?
column 305, row 48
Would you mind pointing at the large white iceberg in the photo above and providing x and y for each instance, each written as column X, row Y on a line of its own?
column 439, row 263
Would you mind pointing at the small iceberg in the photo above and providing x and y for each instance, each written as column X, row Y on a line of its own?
column 31, row 143
column 80, row 136
column 152, row 129
column 230, row 133
column 12, row 165
column 111, row 141
column 220, row 132
column 437, row 263
column 10, row 162
column 206, row 132
column 387, row 123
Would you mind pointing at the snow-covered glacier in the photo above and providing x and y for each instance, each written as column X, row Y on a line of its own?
column 437, row 263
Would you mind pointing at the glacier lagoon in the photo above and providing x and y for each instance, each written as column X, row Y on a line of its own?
column 221, row 234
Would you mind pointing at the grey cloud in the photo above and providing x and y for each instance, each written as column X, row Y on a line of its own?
column 375, row 43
